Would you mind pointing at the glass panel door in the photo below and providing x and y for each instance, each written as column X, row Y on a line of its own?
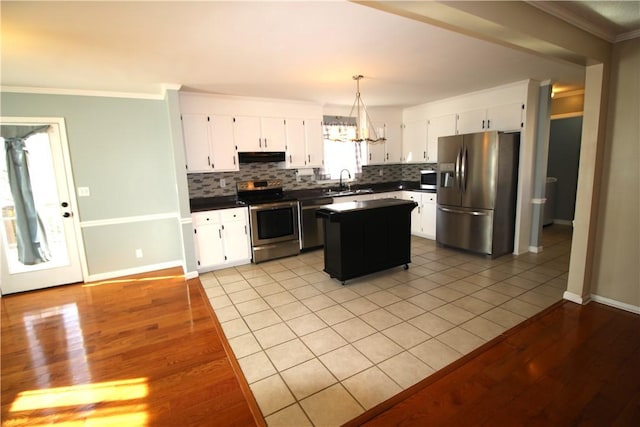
column 39, row 243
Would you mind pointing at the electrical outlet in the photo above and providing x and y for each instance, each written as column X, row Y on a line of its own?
column 83, row 192
column 381, row 172
column 223, row 183
column 138, row 253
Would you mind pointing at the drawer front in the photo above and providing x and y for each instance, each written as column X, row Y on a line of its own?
column 234, row 214
column 208, row 217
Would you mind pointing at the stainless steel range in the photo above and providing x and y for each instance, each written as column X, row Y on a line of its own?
column 273, row 219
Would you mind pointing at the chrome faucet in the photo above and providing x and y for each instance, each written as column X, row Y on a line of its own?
column 348, row 173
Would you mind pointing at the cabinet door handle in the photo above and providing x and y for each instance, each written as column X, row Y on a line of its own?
column 488, row 123
column 234, row 160
column 290, row 160
column 387, row 156
column 309, row 156
column 209, row 160
column 265, row 143
column 483, row 124
column 260, row 142
column 424, row 154
column 220, row 233
column 369, row 156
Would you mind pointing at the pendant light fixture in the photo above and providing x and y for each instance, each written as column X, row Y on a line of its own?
column 356, row 127
column 365, row 131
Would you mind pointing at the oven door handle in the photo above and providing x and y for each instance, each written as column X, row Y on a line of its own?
column 271, row 206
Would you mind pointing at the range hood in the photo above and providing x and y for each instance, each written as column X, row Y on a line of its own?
column 261, row 156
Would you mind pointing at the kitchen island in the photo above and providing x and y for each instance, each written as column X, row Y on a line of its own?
column 361, row 238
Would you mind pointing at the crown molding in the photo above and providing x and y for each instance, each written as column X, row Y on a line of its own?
column 555, row 9
column 81, row 92
column 627, row 36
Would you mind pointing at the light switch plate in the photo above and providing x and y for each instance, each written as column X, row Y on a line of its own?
column 83, row 192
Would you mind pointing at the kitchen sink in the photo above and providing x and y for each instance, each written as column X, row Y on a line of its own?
column 331, row 192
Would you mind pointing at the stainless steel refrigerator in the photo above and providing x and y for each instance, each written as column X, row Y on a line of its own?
column 477, row 188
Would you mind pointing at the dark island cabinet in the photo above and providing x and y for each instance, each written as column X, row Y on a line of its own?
column 361, row 238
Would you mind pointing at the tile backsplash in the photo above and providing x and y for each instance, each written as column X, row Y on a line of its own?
column 208, row 184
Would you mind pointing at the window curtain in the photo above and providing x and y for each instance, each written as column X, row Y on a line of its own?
column 30, row 235
column 341, row 131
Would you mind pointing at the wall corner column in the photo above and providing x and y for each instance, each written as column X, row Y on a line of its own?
column 540, row 172
column 184, row 211
column 589, row 176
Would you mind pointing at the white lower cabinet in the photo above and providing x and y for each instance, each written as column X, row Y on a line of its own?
column 388, row 195
column 221, row 238
column 423, row 217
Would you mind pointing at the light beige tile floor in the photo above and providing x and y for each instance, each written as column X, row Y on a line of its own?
column 316, row 352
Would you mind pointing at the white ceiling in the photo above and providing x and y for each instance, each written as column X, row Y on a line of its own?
column 611, row 20
column 299, row 50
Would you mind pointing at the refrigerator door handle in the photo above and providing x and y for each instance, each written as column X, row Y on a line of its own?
column 463, row 171
column 457, row 171
column 474, row 213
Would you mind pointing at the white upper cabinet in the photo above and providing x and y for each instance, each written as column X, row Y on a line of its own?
column 273, row 134
column 195, row 131
column 393, row 146
column 305, row 148
column 224, row 156
column 314, row 143
column 506, row 117
column 437, row 127
column 296, row 144
column 472, row 121
column 390, row 151
column 209, row 145
column 376, row 153
column 501, row 117
column 414, row 142
column 259, row 133
column 247, row 133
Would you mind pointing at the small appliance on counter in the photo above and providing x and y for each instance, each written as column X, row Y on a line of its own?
column 273, row 219
column 428, row 180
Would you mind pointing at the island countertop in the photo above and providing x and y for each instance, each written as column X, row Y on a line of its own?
column 345, row 207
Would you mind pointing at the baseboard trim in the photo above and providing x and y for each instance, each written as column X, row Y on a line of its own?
column 131, row 271
column 617, row 304
column 570, row 296
column 535, row 249
column 191, row 275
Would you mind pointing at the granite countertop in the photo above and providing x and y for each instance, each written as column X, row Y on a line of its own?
column 212, row 203
column 224, row 202
column 346, row 207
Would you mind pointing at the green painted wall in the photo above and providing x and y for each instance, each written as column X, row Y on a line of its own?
column 123, row 150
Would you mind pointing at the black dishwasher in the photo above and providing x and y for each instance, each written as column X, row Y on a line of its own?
column 311, row 235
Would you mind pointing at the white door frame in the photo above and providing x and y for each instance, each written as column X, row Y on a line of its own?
column 68, row 171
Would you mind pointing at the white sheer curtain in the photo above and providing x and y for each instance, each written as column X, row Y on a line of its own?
column 340, row 151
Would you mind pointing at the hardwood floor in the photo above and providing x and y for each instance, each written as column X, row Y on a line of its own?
column 574, row 365
column 147, row 350
column 144, row 350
